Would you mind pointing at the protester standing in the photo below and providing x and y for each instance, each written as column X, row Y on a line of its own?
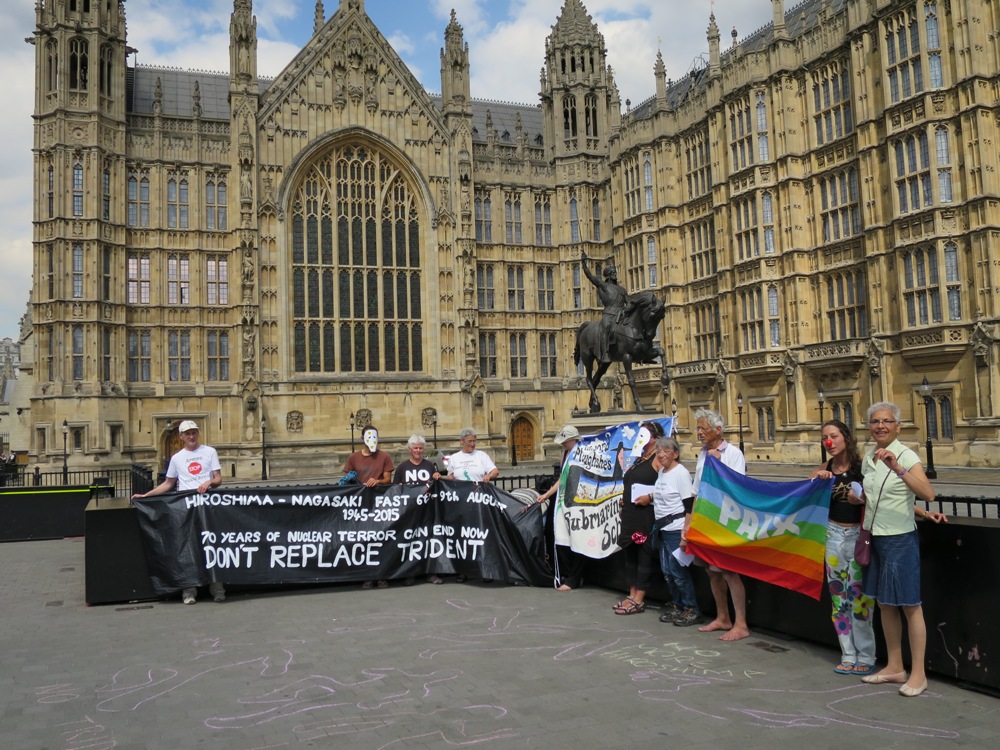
column 710, row 426
column 568, row 564
column 417, row 470
column 893, row 479
column 193, row 467
column 673, row 499
column 373, row 467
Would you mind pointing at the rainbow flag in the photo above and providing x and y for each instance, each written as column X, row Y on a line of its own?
column 771, row 531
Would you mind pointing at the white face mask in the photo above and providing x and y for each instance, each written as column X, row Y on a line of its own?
column 643, row 438
column 370, row 438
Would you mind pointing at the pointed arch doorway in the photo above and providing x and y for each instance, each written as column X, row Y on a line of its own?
column 522, row 438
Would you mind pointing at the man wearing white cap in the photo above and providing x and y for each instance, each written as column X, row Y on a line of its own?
column 193, row 467
column 569, row 563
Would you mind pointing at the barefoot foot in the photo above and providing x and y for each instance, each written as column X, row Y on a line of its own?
column 736, row 634
column 716, row 624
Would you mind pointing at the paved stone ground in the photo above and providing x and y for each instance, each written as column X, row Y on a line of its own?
column 423, row 667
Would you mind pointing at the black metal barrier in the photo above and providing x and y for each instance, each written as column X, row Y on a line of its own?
column 29, row 513
column 960, row 582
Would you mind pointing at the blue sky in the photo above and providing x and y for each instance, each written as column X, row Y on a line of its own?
column 506, row 40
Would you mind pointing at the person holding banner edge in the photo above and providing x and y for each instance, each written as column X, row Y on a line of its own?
column 568, row 564
column 637, row 519
column 853, row 612
column 193, row 467
column 893, row 479
column 710, row 426
column 373, row 468
column 417, row 470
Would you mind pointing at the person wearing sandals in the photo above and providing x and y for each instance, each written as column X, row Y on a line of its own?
column 673, row 499
column 852, row 610
column 637, row 519
column 893, row 479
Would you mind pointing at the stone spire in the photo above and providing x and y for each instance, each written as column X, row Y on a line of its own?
column 319, row 17
column 778, row 12
column 714, row 54
column 660, row 71
column 455, row 85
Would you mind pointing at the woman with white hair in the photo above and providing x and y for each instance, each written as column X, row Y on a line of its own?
column 893, row 479
column 416, row 470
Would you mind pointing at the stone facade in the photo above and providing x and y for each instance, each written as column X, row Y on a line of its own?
column 818, row 205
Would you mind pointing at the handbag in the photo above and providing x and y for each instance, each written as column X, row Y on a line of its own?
column 863, row 546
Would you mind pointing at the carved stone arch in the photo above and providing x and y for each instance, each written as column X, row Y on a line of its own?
column 319, row 147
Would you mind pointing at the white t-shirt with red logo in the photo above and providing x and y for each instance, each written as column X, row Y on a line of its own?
column 193, row 468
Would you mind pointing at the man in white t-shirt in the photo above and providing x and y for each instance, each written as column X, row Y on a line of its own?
column 469, row 464
column 193, row 467
column 710, row 426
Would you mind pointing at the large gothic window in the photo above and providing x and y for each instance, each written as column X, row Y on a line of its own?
column 356, row 267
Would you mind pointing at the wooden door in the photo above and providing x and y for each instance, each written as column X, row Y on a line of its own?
column 523, row 437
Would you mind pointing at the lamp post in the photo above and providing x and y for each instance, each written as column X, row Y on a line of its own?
column 822, row 400
column 352, row 432
column 65, row 468
column 925, row 391
column 263, row 448
column 739, row 410
column 434, row 424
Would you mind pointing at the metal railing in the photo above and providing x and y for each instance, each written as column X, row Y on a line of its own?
column 964, row 507
column 123, row 482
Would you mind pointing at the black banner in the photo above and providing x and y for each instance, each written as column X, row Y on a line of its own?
column 320, row 533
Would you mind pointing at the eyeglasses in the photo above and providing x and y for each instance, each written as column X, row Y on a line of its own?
column 878, row 422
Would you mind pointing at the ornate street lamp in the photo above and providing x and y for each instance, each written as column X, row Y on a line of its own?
column 352, row 432
column 925, row 391
column 822, row 401
column 263, row 448
column 65, row 468
column 739, row 410
column 434, row 424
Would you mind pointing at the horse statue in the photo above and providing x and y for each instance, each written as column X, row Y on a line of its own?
column 630, row 342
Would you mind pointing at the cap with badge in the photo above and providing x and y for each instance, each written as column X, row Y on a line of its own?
column 187, row 424
column 568, row 432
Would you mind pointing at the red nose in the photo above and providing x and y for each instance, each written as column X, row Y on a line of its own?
column 828, row 443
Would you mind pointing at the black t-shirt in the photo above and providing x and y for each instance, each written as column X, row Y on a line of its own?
column 409, row 473
column 841, row 510
column 636, row 517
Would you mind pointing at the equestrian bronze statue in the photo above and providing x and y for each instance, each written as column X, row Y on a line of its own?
column 624, row 333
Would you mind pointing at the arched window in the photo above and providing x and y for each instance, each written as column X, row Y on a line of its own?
column 596, row 212
column 574, row 220
column 356, row 266
column 590, row 111
column 943, row 164
column 569, row 117
column 78, row 64
column 51, row 65
column 77, row 187
column 107, row 68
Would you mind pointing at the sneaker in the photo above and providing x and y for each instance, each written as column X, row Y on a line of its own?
column 688, row 617
column 218, row 592
column 189, row 596
column 434, row 579
column 670, row 611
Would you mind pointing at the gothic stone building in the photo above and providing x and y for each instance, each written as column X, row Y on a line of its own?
column 283, row 260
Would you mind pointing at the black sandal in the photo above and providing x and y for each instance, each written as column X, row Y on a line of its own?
column 630, row 607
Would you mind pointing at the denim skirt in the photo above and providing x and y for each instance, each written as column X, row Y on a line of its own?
column 892, row 577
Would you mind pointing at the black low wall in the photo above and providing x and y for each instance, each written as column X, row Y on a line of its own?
column 960, row 581
column 115, row 561
column 42, row 512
